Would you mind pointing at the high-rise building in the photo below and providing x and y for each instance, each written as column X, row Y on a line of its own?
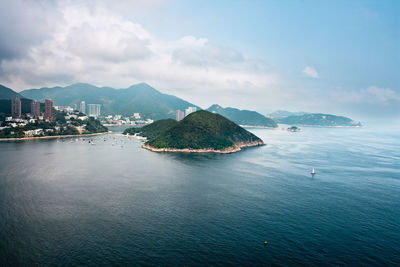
column 16, row 108
column 75, row 107
column 35, row 108
column 48, row 109
column 94, row 110
column 190, row 110
column 180, row 115
column 82, row 107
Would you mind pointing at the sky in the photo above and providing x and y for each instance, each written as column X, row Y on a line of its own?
column 340, row 57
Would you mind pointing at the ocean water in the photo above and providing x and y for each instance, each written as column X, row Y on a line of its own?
column 66, row 203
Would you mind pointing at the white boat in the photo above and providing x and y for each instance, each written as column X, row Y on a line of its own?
column 313, row 171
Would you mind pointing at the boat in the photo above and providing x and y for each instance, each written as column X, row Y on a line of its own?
column 313, row 171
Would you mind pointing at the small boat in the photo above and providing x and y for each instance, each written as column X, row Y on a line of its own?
column 313, row 171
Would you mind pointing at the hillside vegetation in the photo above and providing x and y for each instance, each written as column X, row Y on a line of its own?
column 243, row 117
column 152, row 130
column 141, row 98
column 319, row 119
column 199, row 130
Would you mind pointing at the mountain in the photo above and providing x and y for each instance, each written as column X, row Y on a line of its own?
column 243, row 117
column 152, row 130
column 280, row 114
column 319, row 119
column 141, row 98
column 7, row 93
column 201, row 131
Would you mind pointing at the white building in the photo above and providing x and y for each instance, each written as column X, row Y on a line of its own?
column 136, row 116
column 82, row 107
column 68, row 109
column 180, row 115
column 93, row 110
column 190, row 110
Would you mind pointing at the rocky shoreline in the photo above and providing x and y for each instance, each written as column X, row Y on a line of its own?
column 52, row 137
column 237, row 147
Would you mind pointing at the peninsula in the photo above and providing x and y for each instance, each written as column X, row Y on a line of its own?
column 201, row 132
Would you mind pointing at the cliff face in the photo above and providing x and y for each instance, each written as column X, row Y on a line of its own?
column 203, row 131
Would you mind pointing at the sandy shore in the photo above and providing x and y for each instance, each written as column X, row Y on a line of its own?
column 52, row 137
column 237, row 147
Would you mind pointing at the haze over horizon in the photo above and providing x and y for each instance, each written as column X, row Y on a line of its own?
column 331, row 57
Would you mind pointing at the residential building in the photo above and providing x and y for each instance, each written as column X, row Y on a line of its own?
column 94, row 110
column 48, row 109
column 180, row 115
column 16, row 108
column 82, row 107
column 35, row 109
column 190, row 110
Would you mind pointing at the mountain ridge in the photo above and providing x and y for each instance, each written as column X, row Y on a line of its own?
column 243, row 117
column 141, row 98
column 8, row 93
column 320, row 119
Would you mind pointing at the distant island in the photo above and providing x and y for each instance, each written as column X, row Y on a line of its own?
column 294, row 129
column 201, row 131
column 243, row 117
column 319, row 119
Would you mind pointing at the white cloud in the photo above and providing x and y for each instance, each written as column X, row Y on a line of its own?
column 310, row 72
column 67, row 41
column 101, row 47
column 371, row 94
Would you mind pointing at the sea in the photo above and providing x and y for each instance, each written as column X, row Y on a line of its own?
column 108, row 202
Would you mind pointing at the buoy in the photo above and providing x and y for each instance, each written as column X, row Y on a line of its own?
column 265, row 242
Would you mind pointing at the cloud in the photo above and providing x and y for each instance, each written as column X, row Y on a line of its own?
column 383, row 95
column 371, row 94
column 310, row 72
column 61, row 42
column 24, row 24
column 99, row 46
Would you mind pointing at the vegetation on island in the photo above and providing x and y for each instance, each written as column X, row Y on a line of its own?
column 319, row 119
column 294, row 129
column 199, row 130
column 152, row 130
column 243, row 117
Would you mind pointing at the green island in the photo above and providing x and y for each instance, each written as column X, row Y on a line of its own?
column 201, row 131
column 319, row 119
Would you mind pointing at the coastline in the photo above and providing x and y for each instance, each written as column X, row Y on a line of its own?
column 323, row 126
column 237, row 147
column 52, row 137
column 259, row 127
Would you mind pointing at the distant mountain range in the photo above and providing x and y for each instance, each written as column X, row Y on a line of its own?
column 319, row 119
column 141, row 98
column 150, row 103
column 243, row 117
column 280, row 114
column 7, row 93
